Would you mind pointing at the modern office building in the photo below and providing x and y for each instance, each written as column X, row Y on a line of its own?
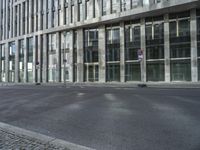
column 99, row 40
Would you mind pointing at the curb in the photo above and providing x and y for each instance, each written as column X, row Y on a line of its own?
column 46, row 139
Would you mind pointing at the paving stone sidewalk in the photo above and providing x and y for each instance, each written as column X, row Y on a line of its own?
column 14, row 138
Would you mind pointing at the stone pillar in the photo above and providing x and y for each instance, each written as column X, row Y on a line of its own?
column 167, row 48
column 45, row 58
column 18, row 21
column 62, row 12
column 16, row 61
column 50, row 14
column 6, row 23
column 122, row 53
column 102, row 53
column 35, row 15
column 6, row 61
column 39, row 13
column 0, row 19
column 194, row 58
column 80, row 65
column 25, row 60
column 30, row 16
column 21, row 19
column 44, row 15
column 56, row 23
column 26, row 17
column 97, row 9
column 108, row 7
column 143, row 47
column 83, row 10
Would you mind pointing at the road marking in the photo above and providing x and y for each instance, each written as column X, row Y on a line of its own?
column 41, row 137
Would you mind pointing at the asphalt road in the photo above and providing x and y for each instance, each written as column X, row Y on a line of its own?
column 107, row 118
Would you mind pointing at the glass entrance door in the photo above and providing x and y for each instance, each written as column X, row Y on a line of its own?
column 91, row 73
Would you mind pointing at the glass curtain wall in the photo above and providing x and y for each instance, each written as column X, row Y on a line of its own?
column 198, row 41
column 11, row 69
column 52, row 58
column 21, row 61
column 91, row 65
column 155, row 49
column 180, row 46
column 30, row 60
column 113, row 54
column 132, row 45
column 2, row 64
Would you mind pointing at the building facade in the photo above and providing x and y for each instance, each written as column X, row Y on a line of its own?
column 99, row 40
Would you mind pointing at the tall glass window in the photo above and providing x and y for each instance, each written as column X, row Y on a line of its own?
column 52, row 59
column 113, row 53
column 91, row 59
column 114, row 6
column 2, row 63
column 180, row 47
column 30, row 60
column 80, row 10
column 198, row 40
column 21, row 61
column 132, row 45
column 75, row 56
column 66, row 59
column 155, row 49
column 66, row 12
column 11, row 69
column 104, row 7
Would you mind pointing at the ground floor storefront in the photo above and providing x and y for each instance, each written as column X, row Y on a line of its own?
column 169, row 43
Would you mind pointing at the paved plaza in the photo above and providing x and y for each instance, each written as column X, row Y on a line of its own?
column 102, row 118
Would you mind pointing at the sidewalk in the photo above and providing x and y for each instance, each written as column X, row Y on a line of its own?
column 14, row 138
column 181, row 85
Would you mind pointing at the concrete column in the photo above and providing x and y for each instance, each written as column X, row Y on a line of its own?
column 25, row 60
column 108, row 7
column 58, row 43
column 45, row 14
column 80, row 65
column 10, row 17
column 102, row 53
column 122, row 53
column 69, row 12
column 17, row 61
column 167, row 48
column 6, row 62
column 18, row 19
column 4, row 19
column 45, row 58
column 21, row 19
column 83, row 10
column 0, row 19
column 39, row 14
column 143, row 47
column 50, row 14
column 30, row 15
column 62, row 12
column 26, row 17
column 7, row 17
column 34, row 57
column 35, row 15
column 98, row 10
column 194, row 57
